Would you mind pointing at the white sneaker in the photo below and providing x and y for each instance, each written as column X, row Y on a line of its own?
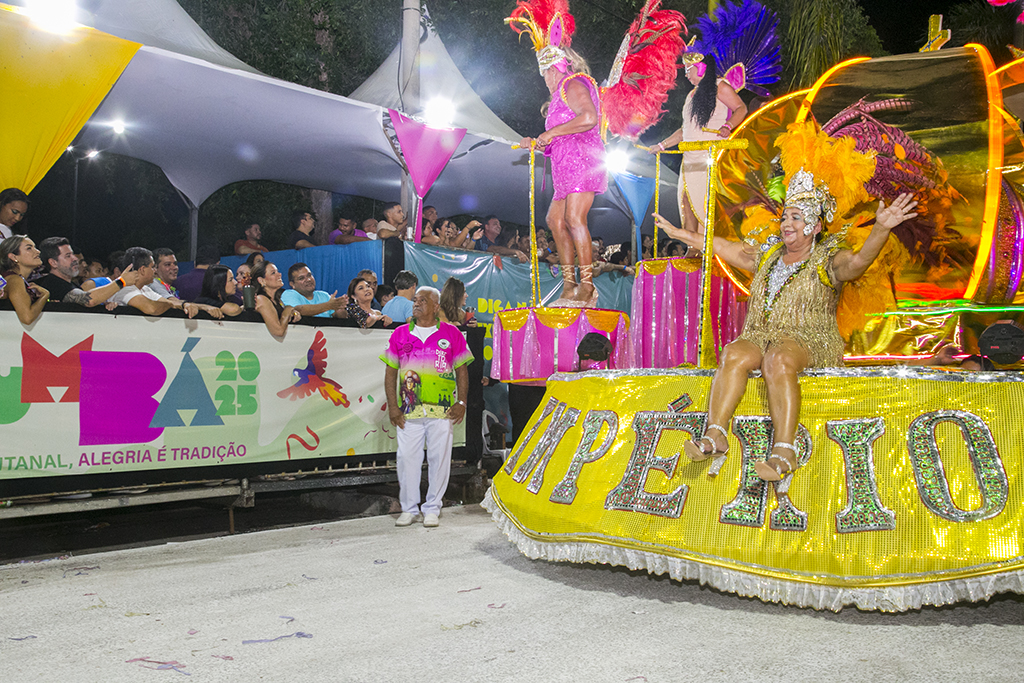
column 431, row 519
column 406, row 519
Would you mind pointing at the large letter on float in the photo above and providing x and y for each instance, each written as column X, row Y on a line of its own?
column 756, row 436
column 537, row 462
column 513, row 458
column 864, row 510
column 629, row 494
column 565, row 490
column 932, row 484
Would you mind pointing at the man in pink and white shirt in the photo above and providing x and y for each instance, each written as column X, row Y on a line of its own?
column 429, row 359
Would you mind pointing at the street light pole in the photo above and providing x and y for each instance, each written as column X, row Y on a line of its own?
column 91, row 154
column 74, row 203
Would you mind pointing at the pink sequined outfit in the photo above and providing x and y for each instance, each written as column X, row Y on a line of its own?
column 577, row 160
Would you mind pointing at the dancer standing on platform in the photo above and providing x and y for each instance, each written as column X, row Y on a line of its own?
column 798, row 279
column 712, row 111
column 741, row 35
column 572, row 139
column 643, row 72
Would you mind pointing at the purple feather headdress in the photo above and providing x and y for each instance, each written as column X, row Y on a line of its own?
column 743, row 33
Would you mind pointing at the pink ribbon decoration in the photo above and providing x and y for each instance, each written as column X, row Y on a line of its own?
column 536, row 350
column 427, row 151
column 664, row 316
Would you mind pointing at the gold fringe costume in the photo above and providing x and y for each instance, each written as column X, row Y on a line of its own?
column 804, row 309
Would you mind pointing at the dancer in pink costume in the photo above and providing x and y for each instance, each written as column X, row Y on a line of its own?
column 571, row 138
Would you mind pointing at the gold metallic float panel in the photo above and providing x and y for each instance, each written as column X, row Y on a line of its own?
column 911, row 476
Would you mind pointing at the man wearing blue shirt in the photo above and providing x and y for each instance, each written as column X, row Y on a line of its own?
column 399, row 308
column 305, row 298
column 490, row 240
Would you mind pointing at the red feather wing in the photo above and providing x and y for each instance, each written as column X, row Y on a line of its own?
column 648, row 72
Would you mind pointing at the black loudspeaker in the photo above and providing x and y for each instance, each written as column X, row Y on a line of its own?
column 1002, row 342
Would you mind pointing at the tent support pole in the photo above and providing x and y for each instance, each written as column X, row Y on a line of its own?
column 408, row 199
column 408, row 86
column 193, row 225
column 193, row 231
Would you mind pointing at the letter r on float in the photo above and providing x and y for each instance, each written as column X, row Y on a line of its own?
column 117, row 403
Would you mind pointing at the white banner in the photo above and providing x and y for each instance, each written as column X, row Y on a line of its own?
column 92, row 394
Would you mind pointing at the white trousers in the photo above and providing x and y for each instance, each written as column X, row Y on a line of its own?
column 437, row 435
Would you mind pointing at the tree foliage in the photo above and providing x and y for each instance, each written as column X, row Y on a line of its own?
column 979, row 22
column 821, row 33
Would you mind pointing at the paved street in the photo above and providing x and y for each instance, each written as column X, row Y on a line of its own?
column 360, row 600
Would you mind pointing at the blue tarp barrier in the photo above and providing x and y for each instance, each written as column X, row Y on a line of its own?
column 334, row 265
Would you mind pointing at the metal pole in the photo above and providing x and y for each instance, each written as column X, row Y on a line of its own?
column 408, row 84
column 193, row 230
column 409, row 95
column 706, row 351
column 74, row 206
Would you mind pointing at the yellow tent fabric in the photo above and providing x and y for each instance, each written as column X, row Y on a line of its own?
column 51, row 85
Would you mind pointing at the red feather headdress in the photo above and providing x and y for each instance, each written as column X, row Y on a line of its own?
column 644, row 71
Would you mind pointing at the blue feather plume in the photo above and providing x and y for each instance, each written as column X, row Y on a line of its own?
column 743, row 32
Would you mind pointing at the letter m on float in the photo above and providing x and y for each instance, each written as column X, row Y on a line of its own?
column 44, row 373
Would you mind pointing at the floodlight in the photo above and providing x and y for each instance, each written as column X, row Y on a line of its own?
column 118, row 126
column 439, row 112
column 56, row 16
column 617, row 161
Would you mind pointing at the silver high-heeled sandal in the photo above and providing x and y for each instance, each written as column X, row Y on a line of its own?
column 776, row 467
column 695, row 450
column 568, row 278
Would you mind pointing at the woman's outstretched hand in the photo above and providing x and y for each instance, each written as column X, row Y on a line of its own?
column 902, row 208
column 694, row 240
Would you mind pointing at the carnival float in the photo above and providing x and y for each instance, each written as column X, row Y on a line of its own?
column 909, row 486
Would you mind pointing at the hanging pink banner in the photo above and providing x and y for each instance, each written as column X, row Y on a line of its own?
column 427, row 151
column 666, row 298
column 531, row 344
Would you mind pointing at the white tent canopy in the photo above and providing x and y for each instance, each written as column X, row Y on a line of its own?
column 209, row 120
column 208, row 126
column 158, row 24
column 435, row 75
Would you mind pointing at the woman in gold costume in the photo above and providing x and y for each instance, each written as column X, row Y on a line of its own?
column 791, row 318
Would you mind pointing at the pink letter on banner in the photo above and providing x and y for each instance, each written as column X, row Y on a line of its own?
column 116, row 403
column 427, row 151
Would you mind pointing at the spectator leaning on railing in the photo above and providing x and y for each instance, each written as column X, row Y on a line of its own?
column 269, row 284
column 394, row 223
column 345, row 233
column 56, row 255
column 360, row 304
column 305, row 298
column 219, row 290
column 18, row 258
column 449, row 235
column 166, row 272
column 142, row 298
column 250, row 241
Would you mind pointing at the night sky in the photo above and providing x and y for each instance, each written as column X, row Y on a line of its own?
column 902, row 24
